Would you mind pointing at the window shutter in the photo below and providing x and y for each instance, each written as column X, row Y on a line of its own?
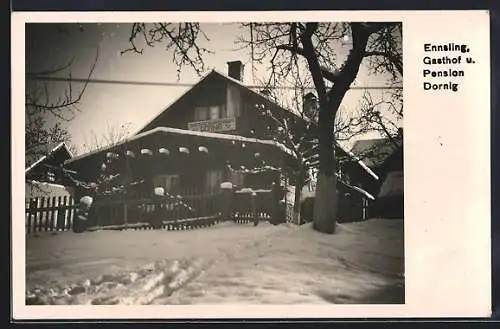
column 201, row 113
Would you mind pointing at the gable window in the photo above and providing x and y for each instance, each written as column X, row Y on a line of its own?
column 169, row 182
column 201, row 113
column 213, row 180
column 213, row 112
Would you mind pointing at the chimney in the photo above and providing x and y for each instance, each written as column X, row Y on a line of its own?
column 235, row 70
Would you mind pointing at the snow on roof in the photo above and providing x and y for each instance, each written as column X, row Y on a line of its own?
column 48, row 150
column 360, row 190
column 242, row 85
column 356, row 188
column 360, row 162
column 374, row 151
column 169, row 130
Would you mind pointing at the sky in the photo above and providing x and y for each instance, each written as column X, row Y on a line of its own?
column 49, row 45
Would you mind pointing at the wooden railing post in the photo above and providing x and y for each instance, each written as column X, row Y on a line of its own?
column 125, row 213
column 253, row 207
column 32, row 213
column 68, row 223
column 52, row 219
column 42, row 214
column 226, row 200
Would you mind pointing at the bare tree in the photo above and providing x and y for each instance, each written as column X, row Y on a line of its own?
column 299, row 136
column 47, row 108
column 288, row 48
column 182, row 39
column 112, row 136
column 379, row 115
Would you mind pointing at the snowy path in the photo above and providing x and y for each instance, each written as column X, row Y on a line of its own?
column 228, row 263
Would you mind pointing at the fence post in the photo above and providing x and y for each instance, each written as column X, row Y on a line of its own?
column 45, row 224
column 60, row 213
column 27, row 217
column 43, row 213
column 68, row 213
column 71, row 213
column 32, row 214
column 226, row 200
column 253, row 205
column 125, row 213
column 365, row 205
column 55, row 207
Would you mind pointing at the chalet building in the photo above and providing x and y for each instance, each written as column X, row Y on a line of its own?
column 218, row 131
column 42, row 173
column 385, row 158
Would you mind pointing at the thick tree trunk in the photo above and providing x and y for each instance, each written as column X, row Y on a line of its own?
column 326, row 204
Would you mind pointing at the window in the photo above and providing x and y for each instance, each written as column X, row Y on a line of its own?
column 233, row 101
column 214, row 112
column 51, row 177
column 169, row 182
column 201, row 113
column 223, row 111
column 237, row 178
column 213, row 180
column 172, row 183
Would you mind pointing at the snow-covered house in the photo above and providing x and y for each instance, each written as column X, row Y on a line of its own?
column 385, row 158
column 42, row 173
column 216, row 131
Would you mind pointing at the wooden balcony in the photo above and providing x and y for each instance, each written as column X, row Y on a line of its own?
column 214, row 126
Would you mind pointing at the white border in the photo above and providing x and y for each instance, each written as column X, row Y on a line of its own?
column 447, row 255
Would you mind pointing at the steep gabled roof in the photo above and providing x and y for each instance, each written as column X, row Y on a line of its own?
column 211, row 73
column 39, row 153
column 144, row 131
column 203, row 79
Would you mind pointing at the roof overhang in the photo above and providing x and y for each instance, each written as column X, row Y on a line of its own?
column 189, row 146
column 59, row 146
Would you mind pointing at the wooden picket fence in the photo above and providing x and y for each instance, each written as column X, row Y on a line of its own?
column 134, row 213
column 244, row 212
column 49, row 214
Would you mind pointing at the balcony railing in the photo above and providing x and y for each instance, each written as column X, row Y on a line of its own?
column 218, row 125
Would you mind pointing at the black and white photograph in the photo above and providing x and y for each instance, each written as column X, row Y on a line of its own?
column 190, row 163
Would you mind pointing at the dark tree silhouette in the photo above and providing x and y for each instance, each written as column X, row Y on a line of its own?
column 46, row 107
column 288, row 48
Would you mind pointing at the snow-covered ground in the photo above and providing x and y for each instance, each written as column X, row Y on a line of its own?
column 226, row 263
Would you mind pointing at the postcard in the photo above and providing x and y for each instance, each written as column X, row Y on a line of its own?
column 251, row 164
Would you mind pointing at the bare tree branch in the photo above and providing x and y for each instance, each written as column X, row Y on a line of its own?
column 289, row 49
column 182, row 39
column 38, row 100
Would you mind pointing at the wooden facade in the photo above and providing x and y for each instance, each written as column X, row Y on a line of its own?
column 42, row 163
column 216, row 132
column 189, row 146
